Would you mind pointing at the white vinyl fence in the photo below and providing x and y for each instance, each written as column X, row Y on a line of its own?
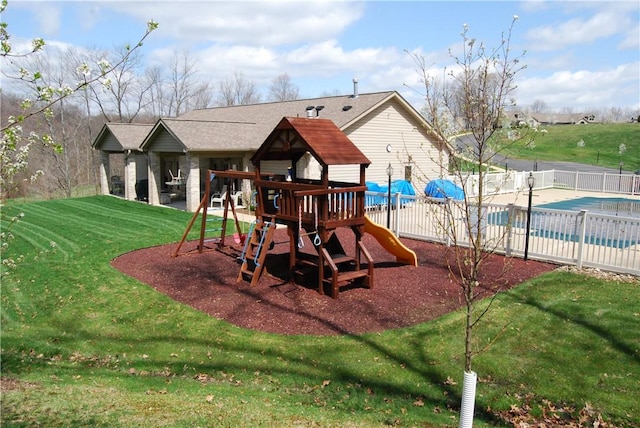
column 580, row 238
column 515, row 181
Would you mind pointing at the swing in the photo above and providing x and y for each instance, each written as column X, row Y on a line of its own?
column 239, row 237
column 316, row 241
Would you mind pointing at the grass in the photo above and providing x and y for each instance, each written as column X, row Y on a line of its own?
column 83, row 345
column 592, row 144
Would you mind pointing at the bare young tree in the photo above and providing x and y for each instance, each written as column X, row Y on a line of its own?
column 539, row 106
column 15, row 145
column 178, row 91
column 64, row 125
column 124, row 97
column 237, row 90
column 473, row 96
column 158, row 102
column 282, row 89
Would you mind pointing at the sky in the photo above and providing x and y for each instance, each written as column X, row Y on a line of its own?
column 579, row 55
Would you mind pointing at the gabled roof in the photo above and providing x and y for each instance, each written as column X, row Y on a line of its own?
column 122, row 136
column 342, row 110
column 204, row 135
column 294, row 136
column 244, row 127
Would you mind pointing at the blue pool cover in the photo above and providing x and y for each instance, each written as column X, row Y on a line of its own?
column 404, row 187
column 440, row 188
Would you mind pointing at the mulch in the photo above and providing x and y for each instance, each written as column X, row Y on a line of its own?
column 402, row 295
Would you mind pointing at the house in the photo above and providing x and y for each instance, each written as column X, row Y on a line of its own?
column 121, row 142
column 534, row 120
column 179, row 151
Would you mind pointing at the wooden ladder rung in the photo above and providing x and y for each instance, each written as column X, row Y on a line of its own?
column 349, row 276
column 250, row 266
column 342, row 258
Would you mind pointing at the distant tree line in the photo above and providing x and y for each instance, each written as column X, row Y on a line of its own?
column 132, row 93
column 128, row 93
column 602, row 114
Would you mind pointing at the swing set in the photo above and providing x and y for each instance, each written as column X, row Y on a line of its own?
column 215, row 225
column 308, row 207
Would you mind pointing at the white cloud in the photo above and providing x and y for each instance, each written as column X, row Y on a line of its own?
column 47, row 14
column 572, row 32
column 632, row 39
column 89, row 16
column 307, row 40
column 329, row 57
column 608, row 19
column 616, row 87
column 219, row 62
column 242, row 22
column 534, row 5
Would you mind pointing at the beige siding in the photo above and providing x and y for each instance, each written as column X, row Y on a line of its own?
column 410, row 146
column 274, row 167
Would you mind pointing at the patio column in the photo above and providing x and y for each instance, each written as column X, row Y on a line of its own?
column 130, row 175
column 245, row 186
column 104, row 172
column 155, row 177
column 192, row 187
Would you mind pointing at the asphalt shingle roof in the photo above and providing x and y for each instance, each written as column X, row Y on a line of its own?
column 245, row 127
column 129, row 135
column 203, row 135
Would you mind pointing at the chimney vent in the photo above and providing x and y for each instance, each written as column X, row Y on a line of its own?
column 318, row 108
column 310, row 112
column 355, row 87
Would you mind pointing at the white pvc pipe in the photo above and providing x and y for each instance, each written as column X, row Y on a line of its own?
column 468, row 399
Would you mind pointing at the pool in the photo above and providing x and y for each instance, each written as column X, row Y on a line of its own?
column 609, row 206
column 605, row 231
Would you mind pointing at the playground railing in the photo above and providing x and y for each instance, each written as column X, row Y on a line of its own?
column 337, row 207
column 312, row 204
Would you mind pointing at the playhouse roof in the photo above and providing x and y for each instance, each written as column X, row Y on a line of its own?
column 294, row 136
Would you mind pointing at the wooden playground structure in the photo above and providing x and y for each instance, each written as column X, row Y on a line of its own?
column 313, row 208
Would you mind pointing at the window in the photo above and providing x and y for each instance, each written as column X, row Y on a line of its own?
column 407, row 173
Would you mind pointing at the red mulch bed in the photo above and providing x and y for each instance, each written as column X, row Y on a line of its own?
column 402, row 295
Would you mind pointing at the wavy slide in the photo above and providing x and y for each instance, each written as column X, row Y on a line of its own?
column 390, row 242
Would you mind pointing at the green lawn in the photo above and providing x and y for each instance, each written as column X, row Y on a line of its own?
column 592, row 144
column 84, row 345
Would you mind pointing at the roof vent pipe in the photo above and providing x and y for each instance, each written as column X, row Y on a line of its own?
column 355, row 87
column 310, row 112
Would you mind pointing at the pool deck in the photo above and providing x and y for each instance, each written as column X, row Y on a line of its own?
column 545, row 196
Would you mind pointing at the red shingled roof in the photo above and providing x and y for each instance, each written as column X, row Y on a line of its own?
column 294, row 136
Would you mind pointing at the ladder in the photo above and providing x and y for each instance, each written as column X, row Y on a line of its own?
column 213, row 230
column 255, row 250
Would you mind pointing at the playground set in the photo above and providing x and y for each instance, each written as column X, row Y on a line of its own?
column 309, row 208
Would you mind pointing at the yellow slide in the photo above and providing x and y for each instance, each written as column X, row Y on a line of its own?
column 390, row 242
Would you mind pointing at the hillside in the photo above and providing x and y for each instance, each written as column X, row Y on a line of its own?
column 593, row 144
